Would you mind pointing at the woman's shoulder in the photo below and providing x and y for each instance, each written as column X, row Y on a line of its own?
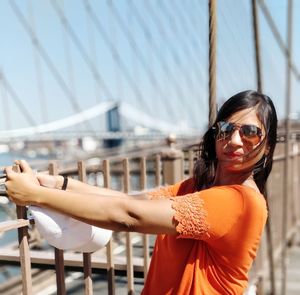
column 245, row 192
column 186, row 186
column 252, row 198
column 235, row 192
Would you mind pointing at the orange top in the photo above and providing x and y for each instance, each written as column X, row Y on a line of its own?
column 219, row 230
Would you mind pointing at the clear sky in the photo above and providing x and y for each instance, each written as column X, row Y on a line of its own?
column 151, row 54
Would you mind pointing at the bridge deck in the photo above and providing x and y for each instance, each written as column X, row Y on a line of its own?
column 293, row 272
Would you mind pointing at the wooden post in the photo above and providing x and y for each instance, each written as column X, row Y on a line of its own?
column 109, row 247
column 157, row 170
column 172, row 162
column 191, row 162
column 143, row 184
column 24, row 249
column 130, row 276
column 87, row 264
column 59, row 254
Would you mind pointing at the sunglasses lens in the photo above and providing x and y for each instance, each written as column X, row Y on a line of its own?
column 251, row 134
column 224, row 130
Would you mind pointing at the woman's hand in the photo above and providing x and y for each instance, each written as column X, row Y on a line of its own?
column 46, row 180
column 20, row 187
column 50, row 181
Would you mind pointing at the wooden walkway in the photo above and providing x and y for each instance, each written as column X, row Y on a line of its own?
column 293, row 273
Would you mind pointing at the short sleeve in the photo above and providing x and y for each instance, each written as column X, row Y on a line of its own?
column 208, row 214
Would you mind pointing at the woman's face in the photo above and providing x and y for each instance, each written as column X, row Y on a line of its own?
column 236, row 148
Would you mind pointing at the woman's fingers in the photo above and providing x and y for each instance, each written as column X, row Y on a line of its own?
column 25, row 167
column 9, row 172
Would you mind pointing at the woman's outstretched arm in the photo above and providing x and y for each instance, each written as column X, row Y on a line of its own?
column 56, row 181
column 115, row 213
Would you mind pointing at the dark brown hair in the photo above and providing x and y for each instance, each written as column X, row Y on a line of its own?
column 204, row 169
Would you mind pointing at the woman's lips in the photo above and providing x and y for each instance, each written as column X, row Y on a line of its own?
column 233, row 155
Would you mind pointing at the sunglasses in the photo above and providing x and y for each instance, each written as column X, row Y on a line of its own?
column 250, row 134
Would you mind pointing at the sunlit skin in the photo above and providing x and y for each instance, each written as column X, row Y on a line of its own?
column 236, row 158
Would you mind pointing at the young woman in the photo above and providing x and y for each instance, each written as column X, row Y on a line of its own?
column 209, row 227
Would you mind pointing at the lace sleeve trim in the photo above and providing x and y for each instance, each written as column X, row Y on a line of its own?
column 191, row 217
column 162, row 193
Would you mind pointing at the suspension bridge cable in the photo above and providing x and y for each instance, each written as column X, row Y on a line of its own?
column 173, row 16
column 163, row 34
column 182, row 47
column 61, row 82
column 155, row 51
column 190, row 30
column 114, row 37
column 68, row 59
column 69, row 64
column 212, row 7
column 190, row 27
column 192, row 21
column 5, row 106
column 266, row 12
column 227, row 67
column 189, row 18
column 136, row 49
column 243, row 40
column 230, row 70
column 163, row 64
column 80, row 48
column 221, row 55
column 115, row 54
column 16, row 99
column 70, row 70
column 239, row 50
column 186, row 73
column 256, row 45
column 93, row 52
column 38, row 69
column 136, row 68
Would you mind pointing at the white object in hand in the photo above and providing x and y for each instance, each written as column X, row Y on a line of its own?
column 67, row 233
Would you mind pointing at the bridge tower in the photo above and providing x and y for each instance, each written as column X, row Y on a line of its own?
column 113, row 125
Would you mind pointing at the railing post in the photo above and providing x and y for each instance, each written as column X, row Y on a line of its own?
column 87, row 263
column 157, row 165
column 143, row 186
column 24, row 249
column 109, row 247
column 129, row 254
column 172, row 163
column 58, row 254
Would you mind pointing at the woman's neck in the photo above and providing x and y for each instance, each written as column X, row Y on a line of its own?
column 226, row 178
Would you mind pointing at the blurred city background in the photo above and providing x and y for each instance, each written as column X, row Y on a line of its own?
column 65, row 64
